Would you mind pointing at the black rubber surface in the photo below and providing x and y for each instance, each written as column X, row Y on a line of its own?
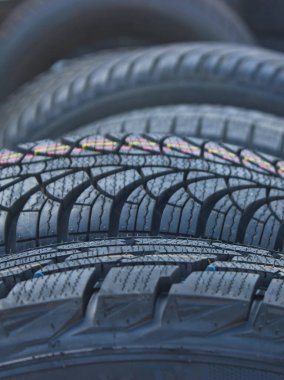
column 40, row 32
column 6, row 7
column 265, row 19
column 88, row 90
column 92, row 186
column 136, row 307
column 235, row 4
column 263, row 16
column 250, row 129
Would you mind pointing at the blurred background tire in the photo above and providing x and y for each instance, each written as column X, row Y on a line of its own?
column 265, row 17
column 87, row 90
column 39, row 33
column 6, row 7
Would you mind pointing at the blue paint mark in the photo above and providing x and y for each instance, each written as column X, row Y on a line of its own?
column 39, row 274
column 211, row 268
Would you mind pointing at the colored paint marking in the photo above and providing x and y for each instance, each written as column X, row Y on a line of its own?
column 39, row 274
column 100, row 144
column 51, row 149
column 249, row 157
column 214, row 149
column 224, row 153
column 180, row 146
column 211, row 268
column 280, row 168
column 8, row 157
column 143, row 144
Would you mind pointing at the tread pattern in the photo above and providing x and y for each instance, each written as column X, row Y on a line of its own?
column 190, row 302
column 145, row 287
column 233, row 75
column 251, row 129
column 118, row 303
column 52, row 288
column 270, row 318
column 81, row 188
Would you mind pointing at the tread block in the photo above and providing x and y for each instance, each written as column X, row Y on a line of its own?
column 64, row 186
column 139, row 250
column 29, row 257
column 270, row 317
column 115, row 183
column 266, row 272
column 10, row 276
column 186, row 262
column 209, row 301
column 48, row 220
column 17, row 192
column 32, row 304
column 258, row 259
column 128, row 294
column 55, row 287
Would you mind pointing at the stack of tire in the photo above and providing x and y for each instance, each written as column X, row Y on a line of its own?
column 141, row 193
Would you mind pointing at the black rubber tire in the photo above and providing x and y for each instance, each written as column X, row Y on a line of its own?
column 235, row 4
column 6, row 7
column 86, row 187
column 66, row 25
column 250, row 129
column 89, row 90
column 148, row 308
column 264, row 17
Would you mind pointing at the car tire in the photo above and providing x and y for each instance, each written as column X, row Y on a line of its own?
column 147, row 307
column 72, row 27
column 87, row 90
column 89, row 186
